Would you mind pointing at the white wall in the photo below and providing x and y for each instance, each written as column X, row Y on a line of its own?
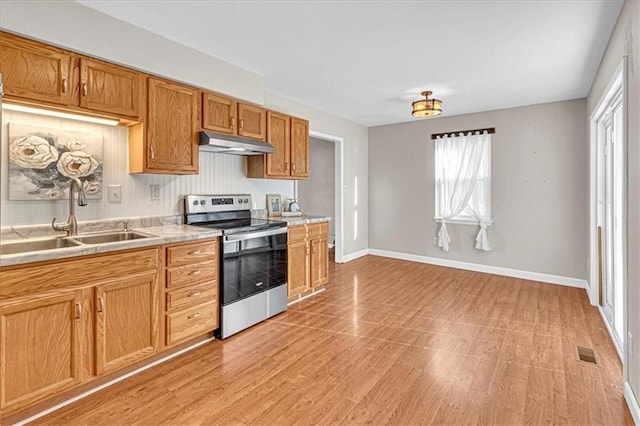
column 625, row 41
column 74, row 26
column 219, row 174
column 539, row 189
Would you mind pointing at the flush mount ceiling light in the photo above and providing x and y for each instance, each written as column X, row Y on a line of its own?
column 426, row 107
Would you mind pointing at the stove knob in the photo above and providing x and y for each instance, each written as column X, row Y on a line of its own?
column 195, row 202
column 202, row 202
column 239, row 200
column 246, row 200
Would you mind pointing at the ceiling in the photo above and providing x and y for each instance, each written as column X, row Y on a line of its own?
column 366, row 61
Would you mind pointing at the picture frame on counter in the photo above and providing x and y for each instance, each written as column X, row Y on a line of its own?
column 274, row 204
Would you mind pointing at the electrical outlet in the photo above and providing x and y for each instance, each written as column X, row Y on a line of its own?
column 114, row 193
column 155, row 192
column 630, row 344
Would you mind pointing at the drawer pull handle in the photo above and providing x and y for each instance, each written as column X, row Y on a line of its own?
column 84, row 89
column 100, row 304
column 198, row 272
column 78, row 310
column 64, row 85
column 194, row 316
column 194, row 253
column 194, row 294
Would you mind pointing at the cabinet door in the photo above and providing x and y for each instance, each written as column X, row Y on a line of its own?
column 39, row 348
column 297, row 267
column 172, row 128
column 319, row 261
column 110, row 88
column 126, row 321
column 252, row 121
column 219, row 113
column 33, row 71
column 299, row 148
column 278, row 135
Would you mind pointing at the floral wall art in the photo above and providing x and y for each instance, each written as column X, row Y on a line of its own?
column 42, row 160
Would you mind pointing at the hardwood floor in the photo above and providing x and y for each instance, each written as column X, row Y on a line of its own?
column 392, row 342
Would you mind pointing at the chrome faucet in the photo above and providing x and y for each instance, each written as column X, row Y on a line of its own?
column 71, row 225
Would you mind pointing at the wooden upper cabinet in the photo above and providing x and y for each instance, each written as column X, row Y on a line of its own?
column 167, row 142
column 219, row 113
column 252, row 121
column 278, row 135
column 290, row 139
column 34, row 71
column 111, row 89
column 299, row 148
column 41, row 342
column 126, row 321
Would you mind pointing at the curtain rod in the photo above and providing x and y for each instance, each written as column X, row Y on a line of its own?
column 490, row 130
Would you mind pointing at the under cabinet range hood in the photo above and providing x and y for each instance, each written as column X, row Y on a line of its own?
column 228, row 144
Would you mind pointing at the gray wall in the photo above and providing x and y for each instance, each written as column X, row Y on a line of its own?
column 539, row 189
column 625, row 42
column 317, row 194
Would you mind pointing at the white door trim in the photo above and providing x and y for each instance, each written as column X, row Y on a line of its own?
column 339, row 191
column 618, row 80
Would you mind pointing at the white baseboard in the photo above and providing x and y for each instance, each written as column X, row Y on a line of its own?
column 632, row 402
column 497, row 270
column 352, row 256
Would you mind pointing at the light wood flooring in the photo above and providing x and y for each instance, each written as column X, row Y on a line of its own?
column 391, row 342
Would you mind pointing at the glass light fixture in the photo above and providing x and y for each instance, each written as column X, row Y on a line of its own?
column 426, row 107
column 59, row 114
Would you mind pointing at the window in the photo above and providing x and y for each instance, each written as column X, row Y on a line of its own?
column 463, row 183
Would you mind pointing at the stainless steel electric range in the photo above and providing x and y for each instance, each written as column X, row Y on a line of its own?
column 253, row 276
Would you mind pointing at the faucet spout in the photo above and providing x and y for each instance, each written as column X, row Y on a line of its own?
column 71, row 225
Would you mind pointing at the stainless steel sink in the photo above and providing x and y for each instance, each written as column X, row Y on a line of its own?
column 112, row 237
column 36, row 245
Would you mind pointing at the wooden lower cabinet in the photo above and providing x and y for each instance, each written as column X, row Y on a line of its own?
column 126, row 321
column 191, row 293
column 65, row 323
column 39, row 347
column 308, row 257
column 297, row 260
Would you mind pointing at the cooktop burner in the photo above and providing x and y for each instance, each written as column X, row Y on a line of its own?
column 230, row 213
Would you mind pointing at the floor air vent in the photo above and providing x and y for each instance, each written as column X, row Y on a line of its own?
column 586, row 355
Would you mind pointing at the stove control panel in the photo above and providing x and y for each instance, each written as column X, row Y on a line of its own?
column 216, row 203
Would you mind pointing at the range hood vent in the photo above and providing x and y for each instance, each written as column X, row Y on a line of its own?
column 227, row 144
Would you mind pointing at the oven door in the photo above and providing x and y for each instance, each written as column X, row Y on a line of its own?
column 253, row 262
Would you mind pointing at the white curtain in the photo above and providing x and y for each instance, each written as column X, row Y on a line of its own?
column 463, row 181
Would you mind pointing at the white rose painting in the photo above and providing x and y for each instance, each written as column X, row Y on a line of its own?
column 41, row 161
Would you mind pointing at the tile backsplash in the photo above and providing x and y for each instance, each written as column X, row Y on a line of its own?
column 219, row 174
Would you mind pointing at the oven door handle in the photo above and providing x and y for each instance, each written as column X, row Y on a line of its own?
column 249, row 235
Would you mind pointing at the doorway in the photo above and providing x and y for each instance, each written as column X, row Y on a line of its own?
column 321, row 193
column 608, row 126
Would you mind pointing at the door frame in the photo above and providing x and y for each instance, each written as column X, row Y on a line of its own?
column 338, row 217
column 617, row 82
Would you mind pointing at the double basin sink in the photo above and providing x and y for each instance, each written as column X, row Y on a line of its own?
column 66, row 242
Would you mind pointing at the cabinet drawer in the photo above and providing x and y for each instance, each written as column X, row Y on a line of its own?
column 192, row 295
column 192, row 322
column 324, row 229
column 313, row 230
column 195, row 252
column 297, row 233
column 202, row 272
